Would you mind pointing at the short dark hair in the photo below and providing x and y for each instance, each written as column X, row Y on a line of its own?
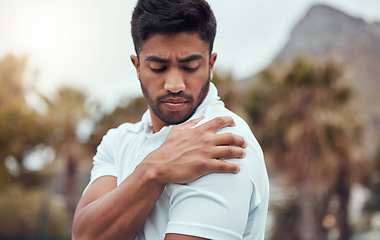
column 172, row 16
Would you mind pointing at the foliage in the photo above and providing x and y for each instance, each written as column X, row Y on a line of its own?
column 21, row 128
column 311, row 140
column 373, row 182
column 22, row 209
column 225, row 84
column 64, row 114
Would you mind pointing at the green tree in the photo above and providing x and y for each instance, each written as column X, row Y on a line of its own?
column 227, row 90
column 64, row 114
column 26, row 207
column 312, row 142
column 21, row 127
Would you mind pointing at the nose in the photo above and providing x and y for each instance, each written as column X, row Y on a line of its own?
column 174, row 81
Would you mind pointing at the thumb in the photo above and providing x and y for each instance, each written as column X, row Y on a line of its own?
column 192, row 123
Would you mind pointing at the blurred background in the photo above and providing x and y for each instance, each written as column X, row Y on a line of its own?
column 303, row 73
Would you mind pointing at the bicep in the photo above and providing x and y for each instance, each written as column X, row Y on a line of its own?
column 96, row 190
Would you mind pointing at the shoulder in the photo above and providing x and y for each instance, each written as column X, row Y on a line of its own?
column 116, row 138
column 253, row 165
column 241, row 128
column 218, row 110
column 123, row 130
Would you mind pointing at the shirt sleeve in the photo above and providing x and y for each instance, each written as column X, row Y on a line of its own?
column 219, row 205
column 104, row 161
column 215, row 206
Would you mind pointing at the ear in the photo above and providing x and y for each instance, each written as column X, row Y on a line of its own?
column 135, row 62
column 212, row 62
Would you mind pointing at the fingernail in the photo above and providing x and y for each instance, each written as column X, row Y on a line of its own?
column 244, row 153
column 237, row 170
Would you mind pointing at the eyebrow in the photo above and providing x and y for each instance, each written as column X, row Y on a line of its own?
column 190, row 58
column 183, row 60
column 156, row 59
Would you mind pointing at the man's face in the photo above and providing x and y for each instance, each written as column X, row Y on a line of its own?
column 174, row 71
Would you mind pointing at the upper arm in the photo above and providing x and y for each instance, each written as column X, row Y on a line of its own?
column 215, row 206
column 171, row 236
column 96, row 190
column 104, row 171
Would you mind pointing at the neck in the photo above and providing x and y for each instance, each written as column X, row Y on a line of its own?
column 157, row 124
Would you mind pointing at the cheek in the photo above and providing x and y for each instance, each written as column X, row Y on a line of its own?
column 197, row 80
column 149, row 80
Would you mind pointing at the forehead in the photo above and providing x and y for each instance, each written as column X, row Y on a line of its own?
column 174, row 45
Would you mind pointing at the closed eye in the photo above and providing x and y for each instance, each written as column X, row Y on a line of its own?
column 191, row 69
column 158, row 70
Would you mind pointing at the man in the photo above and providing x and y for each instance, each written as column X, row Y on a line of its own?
column 175, row 174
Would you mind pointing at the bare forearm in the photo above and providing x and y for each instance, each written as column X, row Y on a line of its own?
column 120, row 213
column 110, row 212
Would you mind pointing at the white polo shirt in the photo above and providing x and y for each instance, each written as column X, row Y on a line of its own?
column 221, row 206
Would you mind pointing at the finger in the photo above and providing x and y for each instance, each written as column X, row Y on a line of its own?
column 231, row 139
column 191, row 123
column 228, row 152
column 217, row 123
column 221, row 166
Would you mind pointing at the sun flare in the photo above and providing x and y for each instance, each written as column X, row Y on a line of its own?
column 43, row 34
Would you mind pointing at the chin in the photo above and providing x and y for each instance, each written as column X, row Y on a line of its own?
column 174, row 118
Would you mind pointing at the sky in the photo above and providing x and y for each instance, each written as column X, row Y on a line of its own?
column 87, row 43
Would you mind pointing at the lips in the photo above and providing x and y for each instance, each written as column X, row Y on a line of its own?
column 174, row 104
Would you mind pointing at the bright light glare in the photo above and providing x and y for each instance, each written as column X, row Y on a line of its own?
column 12, row 166
column 43, row 34
column 42, row 37
column 37, row 159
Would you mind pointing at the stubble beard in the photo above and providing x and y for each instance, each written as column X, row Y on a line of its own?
column 173, row 118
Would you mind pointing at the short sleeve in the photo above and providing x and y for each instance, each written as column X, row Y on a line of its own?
column 221, row 205
column 104, row 160
column 215, row 206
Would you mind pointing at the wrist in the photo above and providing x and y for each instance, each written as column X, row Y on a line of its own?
column 150, row 174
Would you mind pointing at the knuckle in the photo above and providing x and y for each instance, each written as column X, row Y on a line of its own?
column 231, row 138
column 204, row 152
column 222, row 167
column 230, row 151
column 220, row 120
column 205, row 140
column 203, row 164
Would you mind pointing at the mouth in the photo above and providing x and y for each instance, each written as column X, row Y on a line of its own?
column 174, row 105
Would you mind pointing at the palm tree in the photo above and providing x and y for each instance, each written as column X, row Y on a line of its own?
column 64, row 114
column 311, row 140
column 21, row 127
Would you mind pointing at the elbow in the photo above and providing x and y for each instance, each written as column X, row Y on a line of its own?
column 80, row 230
column 76, row 233
column 80, row 234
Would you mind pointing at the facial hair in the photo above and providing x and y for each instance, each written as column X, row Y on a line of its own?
column 172, row 118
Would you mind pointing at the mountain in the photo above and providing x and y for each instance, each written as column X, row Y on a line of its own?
column 328, row 31
column 354, row 44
